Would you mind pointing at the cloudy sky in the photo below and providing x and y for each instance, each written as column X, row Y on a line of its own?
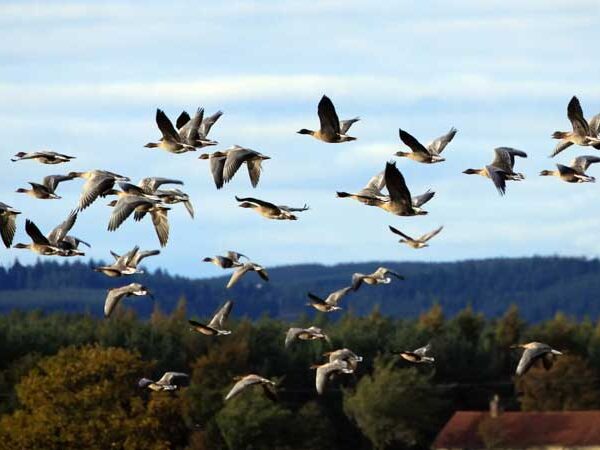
column 86, row 80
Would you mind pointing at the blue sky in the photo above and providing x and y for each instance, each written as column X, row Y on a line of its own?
column 86, row 79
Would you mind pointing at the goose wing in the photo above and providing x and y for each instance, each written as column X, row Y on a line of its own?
column 235, row 158
column 239, row 273
column 291, row 335
column 346, row 124
column 257, row 202
column 138, row 256
column 575, row 115
column 59, row 233
column 161, row 224
column 357, row 280
column 581, row 163
column 183, row 119
column 94, row 187
column 505, row 158
column 208, row 122
column 497, row 176
column 400, row 233
column 235, row 256
column 241, row 385
column 189, row 132
column 397, row 186
column 35, row 234
column 422, row 351
column 562, row 145
column 326, row 370
column 529, row 357
column 123, row 209
column 384, row 271
column 335, row 297
column 254, row 170
column 438, row 145
column 113, row 297
column 428, row 236
column 330, row 123
column 51, row 182
column 173, row 378
column 166, row 126
column 595, row 125
column 374, row 186
column 410, row 141
column 218, row 320
column 8, row 228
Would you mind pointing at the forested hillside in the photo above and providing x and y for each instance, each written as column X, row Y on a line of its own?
column 540, row 286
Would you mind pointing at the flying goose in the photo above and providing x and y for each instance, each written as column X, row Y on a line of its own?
column 584, row 133
column 115, row 295
column 535, row 352
column 419, row 242
column 399, row 200
column 170, row 381
column 44, row 157
column 236, row 156
column 304, row 334
column 332, row 130
column 331, row 302
column 575, row 173
column 345, row 354
column 501, row 168
column 326, row 371
column 127, row 264
column 418, row 355
column 422, row 154
column 127, row 204
column 216, row 325
column 269, row 210
column 38, row 191
column 244, row 269
column 252, row 380
column 170, row 141
column 68, row 244
column 8, row 225
column 226, row 262
column 380, row 276
column 196, row 129
column 98, row 183
column 40, row 243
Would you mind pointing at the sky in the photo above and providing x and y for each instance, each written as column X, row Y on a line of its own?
column 86, row 79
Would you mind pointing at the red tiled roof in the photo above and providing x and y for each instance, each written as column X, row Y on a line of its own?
column 523, row 429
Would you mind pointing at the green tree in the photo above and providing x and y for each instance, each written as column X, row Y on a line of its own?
column 569, row 385
column 88, row 398
column 394, row 407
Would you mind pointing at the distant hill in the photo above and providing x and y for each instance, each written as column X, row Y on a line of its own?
column 540, row 286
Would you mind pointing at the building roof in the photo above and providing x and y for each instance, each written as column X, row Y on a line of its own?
column 523, row 429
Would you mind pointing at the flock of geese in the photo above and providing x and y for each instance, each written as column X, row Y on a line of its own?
column 150, row 198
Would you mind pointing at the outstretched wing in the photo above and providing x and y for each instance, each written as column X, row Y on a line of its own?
column 438, row 145
column 218, row 320
column 431, row 234
column 330, row 123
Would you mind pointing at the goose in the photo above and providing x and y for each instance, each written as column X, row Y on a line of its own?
column 418, row 355
column 68, row 244
column 171, row 141
column 127, row 204
column 226, row 262
column 38, row 191
column 40, row 243
column 304, row 334
column 252, row 380
column 535, row 352
column 331, row 302
column 173, row 196
column 217, row 165
column 198, row 127
column 115, row 295
column 270, row 210
column 170, row 381
column 332, row 130
column 244, row 269
column 584, row 133
column 44, row 157
column 380, row 276
column 346, row 355
column 8, row 225
column 127, row 264
column 422, row 154
column 399, row 200
column 575, row 173
column 236, row 156
column 419, row 242
column 216, row 325
column 501, row 168
column 326, row 371
column 98, row 183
